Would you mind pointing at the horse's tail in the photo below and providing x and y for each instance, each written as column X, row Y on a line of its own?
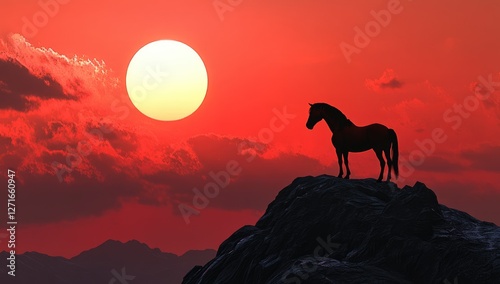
column 395, row 151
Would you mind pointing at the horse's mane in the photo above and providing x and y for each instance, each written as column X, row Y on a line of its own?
column 343, row 120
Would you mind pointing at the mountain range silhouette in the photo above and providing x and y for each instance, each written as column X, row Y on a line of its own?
column 111, row 262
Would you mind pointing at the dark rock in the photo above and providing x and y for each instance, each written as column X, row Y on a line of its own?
column 329, row 230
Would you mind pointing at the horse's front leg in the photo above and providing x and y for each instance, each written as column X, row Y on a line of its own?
column 346, row 163
column 339, row 158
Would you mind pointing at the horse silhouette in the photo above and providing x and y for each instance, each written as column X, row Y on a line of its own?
column 348, row 137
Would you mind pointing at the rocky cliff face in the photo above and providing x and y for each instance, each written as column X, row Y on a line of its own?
column 329, row 230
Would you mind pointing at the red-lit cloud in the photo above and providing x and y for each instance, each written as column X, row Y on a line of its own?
column 486, row 157
column 388, row 80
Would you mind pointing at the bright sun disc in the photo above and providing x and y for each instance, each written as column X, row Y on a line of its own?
column 166, row 80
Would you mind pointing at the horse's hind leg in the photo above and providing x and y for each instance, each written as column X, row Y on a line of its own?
column 387, row 152
column 339, row 158
column 346, row 163
column 378, row 152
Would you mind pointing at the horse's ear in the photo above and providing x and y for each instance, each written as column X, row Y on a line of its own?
column 310, row 104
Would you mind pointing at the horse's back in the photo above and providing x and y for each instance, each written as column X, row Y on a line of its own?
column 363, row 138
column 376, row 127
column 379, row 135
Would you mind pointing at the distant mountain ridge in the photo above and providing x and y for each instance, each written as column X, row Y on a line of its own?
column 131, row 262
column 330, row 230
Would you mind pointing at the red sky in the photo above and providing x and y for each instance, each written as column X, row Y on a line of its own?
column 64, row 77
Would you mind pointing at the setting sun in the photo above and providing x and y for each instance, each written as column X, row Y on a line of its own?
column 166, row 80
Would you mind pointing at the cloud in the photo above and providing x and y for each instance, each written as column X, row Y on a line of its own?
column 258, row 182
column 47, row 201
column 487, row 90
column 105, row 179
column 388, row 80
column 31, row 75
column 484, row 157
column 408, row 113
column 56, row 114
column 436, row 163
column 20, row 89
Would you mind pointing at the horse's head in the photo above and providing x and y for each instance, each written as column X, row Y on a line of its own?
column 316, row 113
